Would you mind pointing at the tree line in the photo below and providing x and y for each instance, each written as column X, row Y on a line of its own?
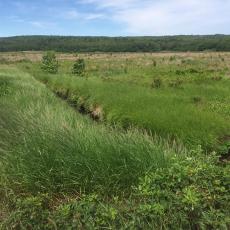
column 116, row 44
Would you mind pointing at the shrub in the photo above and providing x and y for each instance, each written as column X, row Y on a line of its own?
column 180, row 72
column 191, row 70
column 154, row 63
column 197, row 99
column 176, row 83
column 79, row 67
column 172, row 58
column 30, row 212
column 217, row 78
column 157, row 83
column 193, row 193
column 4, row 61
column 50, row 63
column 187, row 71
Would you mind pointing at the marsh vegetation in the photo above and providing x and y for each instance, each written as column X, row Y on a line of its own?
column 155, row 154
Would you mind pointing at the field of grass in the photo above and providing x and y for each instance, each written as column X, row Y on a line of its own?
column 178, row 96
column 149, row 162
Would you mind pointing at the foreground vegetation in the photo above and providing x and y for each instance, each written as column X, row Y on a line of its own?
column 62, row 170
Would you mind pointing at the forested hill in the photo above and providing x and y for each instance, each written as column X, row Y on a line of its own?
column 116, row 44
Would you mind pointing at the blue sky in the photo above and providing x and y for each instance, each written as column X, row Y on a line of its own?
column 114, row 17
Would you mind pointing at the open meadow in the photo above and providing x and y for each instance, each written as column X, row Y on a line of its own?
column 181, row 96
column 136, row 141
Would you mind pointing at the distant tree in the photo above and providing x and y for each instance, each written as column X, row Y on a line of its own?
column 79, row 67
column 116, row 44
column 50, row 62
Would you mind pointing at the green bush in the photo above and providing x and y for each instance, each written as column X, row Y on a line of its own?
column 157, row 83
column 50, row 63
column 193, row 193
column 79, row 67
column 154, row 63
column 29, row 212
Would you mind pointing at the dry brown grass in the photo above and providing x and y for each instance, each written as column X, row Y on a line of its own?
column 37, row 55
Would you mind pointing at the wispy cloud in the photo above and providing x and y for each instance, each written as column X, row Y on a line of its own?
column 118, row 4
column 22, row 6
column 74, row 14
column 41, row 24
column 168, row 16
column 115, row 17
column 38, row 24
column 16, row 19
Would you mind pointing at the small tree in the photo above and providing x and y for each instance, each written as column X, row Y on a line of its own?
column 50, row 62
column 157, row 83
column 79, row 67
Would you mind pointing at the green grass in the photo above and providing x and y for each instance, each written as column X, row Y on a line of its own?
column 192, row 106
column 55, row 149
column 62, row 170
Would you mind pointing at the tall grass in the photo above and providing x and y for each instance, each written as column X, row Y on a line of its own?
column 60, row 170
column 49, row 147
column 166, row 111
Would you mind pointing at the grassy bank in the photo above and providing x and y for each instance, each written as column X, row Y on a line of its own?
column 55, row 149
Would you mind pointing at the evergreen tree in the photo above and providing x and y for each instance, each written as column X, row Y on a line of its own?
column 79, row 67
column 50, row 62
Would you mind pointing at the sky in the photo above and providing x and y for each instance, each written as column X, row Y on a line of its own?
column 114, row 17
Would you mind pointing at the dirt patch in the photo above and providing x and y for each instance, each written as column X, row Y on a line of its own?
column 97, row 113
column 225, row 138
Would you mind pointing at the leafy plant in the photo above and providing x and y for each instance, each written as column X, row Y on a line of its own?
column 157, row 83
column 79, row 67
column 189, row 192
column 154, row 63
column 50, row 63
column 197, row 99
